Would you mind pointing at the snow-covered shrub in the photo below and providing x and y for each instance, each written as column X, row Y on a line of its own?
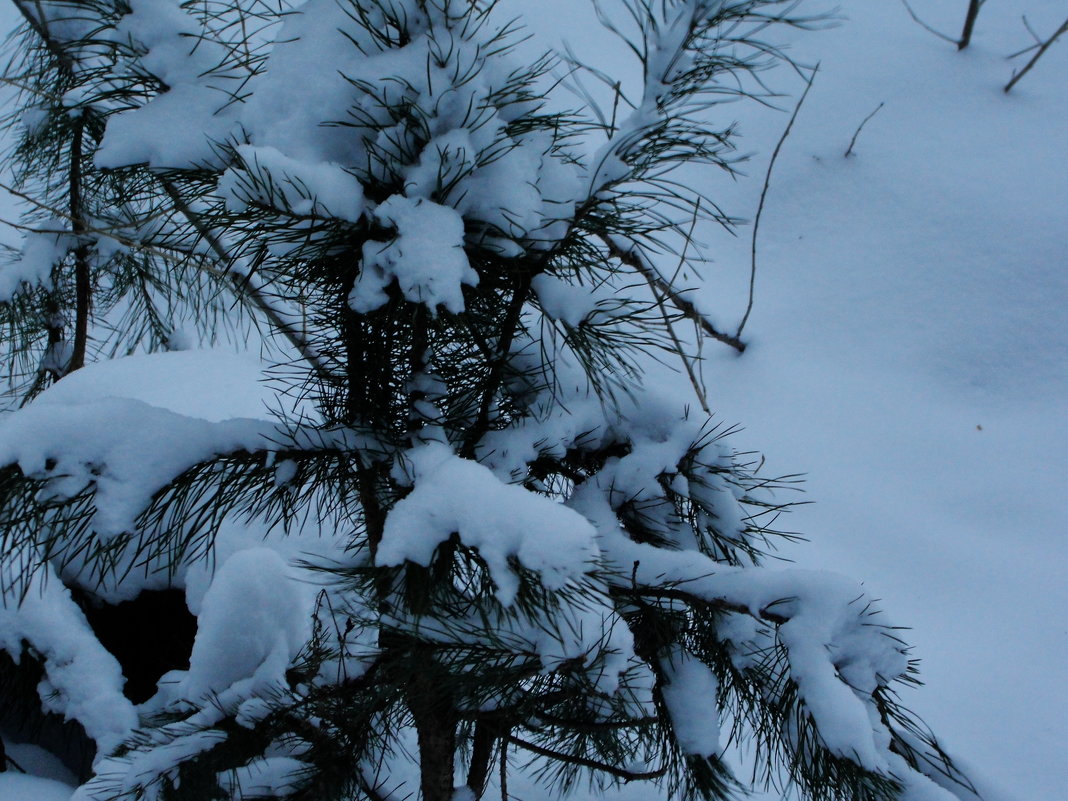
column 463, row 535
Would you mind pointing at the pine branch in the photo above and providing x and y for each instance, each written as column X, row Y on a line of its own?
column 630, row 255
column 39, row 25
column 247, row 285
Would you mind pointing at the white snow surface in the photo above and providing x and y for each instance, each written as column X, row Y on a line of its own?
column 210, row 385
column 20, row 787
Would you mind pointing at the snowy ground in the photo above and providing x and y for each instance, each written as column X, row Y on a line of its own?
column 909, row 351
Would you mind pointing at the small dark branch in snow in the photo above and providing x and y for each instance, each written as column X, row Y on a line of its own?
column 1042, row 48
column 1035, row 36
column 927, row 27
column 969, row 23
column 504, row 769
column 853, row 141
column 763, row 196
column 635, row 261
column 612, row 770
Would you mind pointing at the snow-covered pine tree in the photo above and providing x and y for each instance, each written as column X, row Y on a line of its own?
column 470, row 544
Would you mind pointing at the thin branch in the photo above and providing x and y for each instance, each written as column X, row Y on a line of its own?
column 612, row 770
column 697, row 388
column 633, row 259
column 927, row 27
column 497, row 369
column 1030, row 47
column 1042, row 49
column 676, row 343
column 763, row 196
column 853, row 141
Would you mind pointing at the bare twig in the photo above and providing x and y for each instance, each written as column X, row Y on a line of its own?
column 1030, row 47
column 763, row 196
column 1042, row 49
column 926, row 27
column 504, row 768
column 636, row 261
column 853, row 141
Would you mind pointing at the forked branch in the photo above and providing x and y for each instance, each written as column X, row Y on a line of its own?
column 1042, row 48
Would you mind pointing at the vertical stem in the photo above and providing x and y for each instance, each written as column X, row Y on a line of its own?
column 82, row 285
column 969, row 23
column 485, row 738
column 497, row 368
column 435, row 726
